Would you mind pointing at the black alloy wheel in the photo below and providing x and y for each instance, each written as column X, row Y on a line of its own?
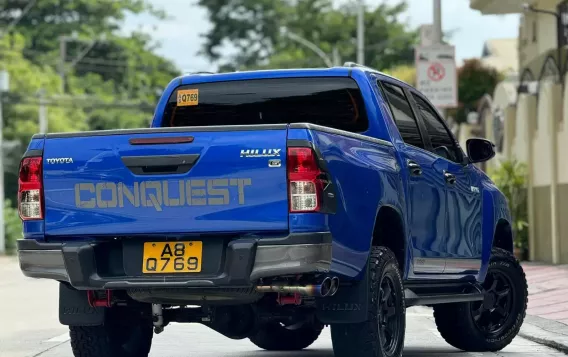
column 491, row 324
column 389, row 317
column 382, row 334
column 492, row 314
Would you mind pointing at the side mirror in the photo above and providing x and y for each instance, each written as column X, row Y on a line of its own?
column 480, row 150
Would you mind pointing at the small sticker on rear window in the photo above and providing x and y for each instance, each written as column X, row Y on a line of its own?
column 187, row 97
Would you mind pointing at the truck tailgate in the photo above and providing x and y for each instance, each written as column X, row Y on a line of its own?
column 158, row 181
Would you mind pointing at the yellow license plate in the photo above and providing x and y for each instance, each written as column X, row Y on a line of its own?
column 172, row 257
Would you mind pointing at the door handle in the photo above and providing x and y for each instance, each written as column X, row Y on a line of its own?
column 415, row 169
column 160, row 164
column 450, row 178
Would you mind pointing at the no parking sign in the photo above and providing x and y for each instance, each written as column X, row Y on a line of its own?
column 436, row 75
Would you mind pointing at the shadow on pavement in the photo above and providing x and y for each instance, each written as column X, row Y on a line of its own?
column 307, row 353
column 408, row 352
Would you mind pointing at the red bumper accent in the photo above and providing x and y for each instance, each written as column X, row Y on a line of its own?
column 295, row 299
column 94, row 301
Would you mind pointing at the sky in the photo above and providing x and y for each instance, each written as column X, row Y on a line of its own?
column 180, row 35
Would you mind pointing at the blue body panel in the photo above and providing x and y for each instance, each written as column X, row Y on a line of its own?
column 442, row 225
column 359, row 169
column 495, row 208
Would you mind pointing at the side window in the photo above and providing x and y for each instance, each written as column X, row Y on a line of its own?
column 403, row 116
column 441, row 139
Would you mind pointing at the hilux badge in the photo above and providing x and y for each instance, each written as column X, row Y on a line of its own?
column 260, row 153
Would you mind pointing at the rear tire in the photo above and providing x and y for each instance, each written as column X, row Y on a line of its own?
column 113, row 339
column 492, row 324
column 386, row 309
column 275, row 337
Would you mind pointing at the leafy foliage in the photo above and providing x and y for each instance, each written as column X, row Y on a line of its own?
column 129, row 62
column 511, row 178
column 256, row 29
column 475, row 80
column 46, row 20
column 12, row 226
column 405, row 73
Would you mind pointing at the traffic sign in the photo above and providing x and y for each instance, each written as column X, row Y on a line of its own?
column 427, row 35
column 436, row 74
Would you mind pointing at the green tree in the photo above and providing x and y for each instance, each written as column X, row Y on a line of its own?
column 47, row 20
column 255, row 29
column 12, row 226
column 511, row 178
column 26, row 79
column 129, row 62
column 474, row 80
column 405, row 73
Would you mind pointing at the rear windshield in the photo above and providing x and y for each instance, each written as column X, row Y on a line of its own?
column 332, row 102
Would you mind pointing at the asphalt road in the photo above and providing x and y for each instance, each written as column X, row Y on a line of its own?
column 29, row 327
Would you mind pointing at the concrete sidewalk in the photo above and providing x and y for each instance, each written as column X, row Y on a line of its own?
column 548, row 291
column 547, row 313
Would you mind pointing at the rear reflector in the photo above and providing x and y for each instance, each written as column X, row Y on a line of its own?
column 30, row 189
column 305, row 186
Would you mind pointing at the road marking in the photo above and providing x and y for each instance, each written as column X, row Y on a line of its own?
column 60, row 338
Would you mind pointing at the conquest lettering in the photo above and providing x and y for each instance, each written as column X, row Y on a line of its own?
column 160, row 194
column 110, row 187
column 88, row 187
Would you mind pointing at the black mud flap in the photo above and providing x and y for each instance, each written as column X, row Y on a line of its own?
column 349, row 305
column 74, row 309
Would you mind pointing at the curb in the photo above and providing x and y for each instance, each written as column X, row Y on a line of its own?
column 546, row 332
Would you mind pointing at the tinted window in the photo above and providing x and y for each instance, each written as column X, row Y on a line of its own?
column 440, row 137
column 332, row 102
column 403, row 116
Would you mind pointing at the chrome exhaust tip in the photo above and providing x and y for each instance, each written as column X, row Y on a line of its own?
column 325, row 287
column 334, row 286
column 322, row 290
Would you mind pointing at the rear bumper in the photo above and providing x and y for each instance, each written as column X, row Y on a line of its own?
column 117, row 264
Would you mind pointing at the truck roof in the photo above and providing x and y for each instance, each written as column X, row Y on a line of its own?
column 340, row 71
column 264, row 74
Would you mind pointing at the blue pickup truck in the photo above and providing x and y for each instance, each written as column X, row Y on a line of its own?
column 267, row 205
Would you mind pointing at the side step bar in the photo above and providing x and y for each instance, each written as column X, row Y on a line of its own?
column 413, row 299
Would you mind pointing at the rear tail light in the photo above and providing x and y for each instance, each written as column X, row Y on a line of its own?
column 304, row 180
column 30, row 189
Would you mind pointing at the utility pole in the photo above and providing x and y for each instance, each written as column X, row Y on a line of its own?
column 438, row 34
column 42, row 112
column 361, row 32
column 438, row 21
column 62, row 58
column 336, row 57
column 4, row 86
